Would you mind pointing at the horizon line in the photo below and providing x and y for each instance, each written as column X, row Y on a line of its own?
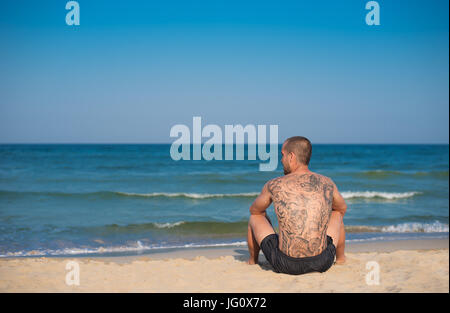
column 170, row 143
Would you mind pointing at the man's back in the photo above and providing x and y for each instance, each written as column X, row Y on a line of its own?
column 303, row 206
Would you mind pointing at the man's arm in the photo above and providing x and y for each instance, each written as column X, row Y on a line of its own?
column 262, row 202
column 339, row 204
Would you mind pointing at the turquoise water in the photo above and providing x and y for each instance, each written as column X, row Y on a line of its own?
column 108, row 199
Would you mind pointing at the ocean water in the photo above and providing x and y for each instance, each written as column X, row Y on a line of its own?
column 103, row 199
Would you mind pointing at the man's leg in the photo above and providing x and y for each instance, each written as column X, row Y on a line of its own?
column 340, row 253
column 259, row 226
column 337, row 232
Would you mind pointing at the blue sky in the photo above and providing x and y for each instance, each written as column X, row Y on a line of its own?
column 133, row 69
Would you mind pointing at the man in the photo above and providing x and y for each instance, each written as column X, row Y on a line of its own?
column 310, row 213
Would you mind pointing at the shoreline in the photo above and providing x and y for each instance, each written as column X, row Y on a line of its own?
column 358, row 245
column 241, row 252
column 404, row 266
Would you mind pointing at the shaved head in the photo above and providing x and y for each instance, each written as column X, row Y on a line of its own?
column 301, row 147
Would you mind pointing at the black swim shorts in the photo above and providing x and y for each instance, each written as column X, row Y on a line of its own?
column 283, row 263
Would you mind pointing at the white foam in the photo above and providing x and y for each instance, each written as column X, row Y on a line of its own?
column 168, row 225
column 388, row 238
column 378, row 194
column 435, row 227
column 345, row 194
column 190, row 195
column 118, row 249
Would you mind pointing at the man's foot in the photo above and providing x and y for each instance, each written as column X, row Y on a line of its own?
column 251, row 262
column 341, row 260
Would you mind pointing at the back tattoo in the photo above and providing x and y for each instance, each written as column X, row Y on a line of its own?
column 303, row 206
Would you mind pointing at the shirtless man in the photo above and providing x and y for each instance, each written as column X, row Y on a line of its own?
column 310, row 213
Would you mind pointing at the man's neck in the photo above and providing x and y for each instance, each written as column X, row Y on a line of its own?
column 302, row 169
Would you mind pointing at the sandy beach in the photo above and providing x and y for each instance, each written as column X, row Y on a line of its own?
column 404, row 266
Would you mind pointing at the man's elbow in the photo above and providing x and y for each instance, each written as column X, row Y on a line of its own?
column 253, row 211
column 343, row 209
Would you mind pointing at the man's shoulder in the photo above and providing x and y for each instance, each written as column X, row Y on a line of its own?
column 287, row 179
column 323, row 178
column 271, row 184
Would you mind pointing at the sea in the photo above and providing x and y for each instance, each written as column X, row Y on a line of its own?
column 131, row 199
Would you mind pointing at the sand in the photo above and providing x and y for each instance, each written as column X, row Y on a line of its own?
column 404, row 266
